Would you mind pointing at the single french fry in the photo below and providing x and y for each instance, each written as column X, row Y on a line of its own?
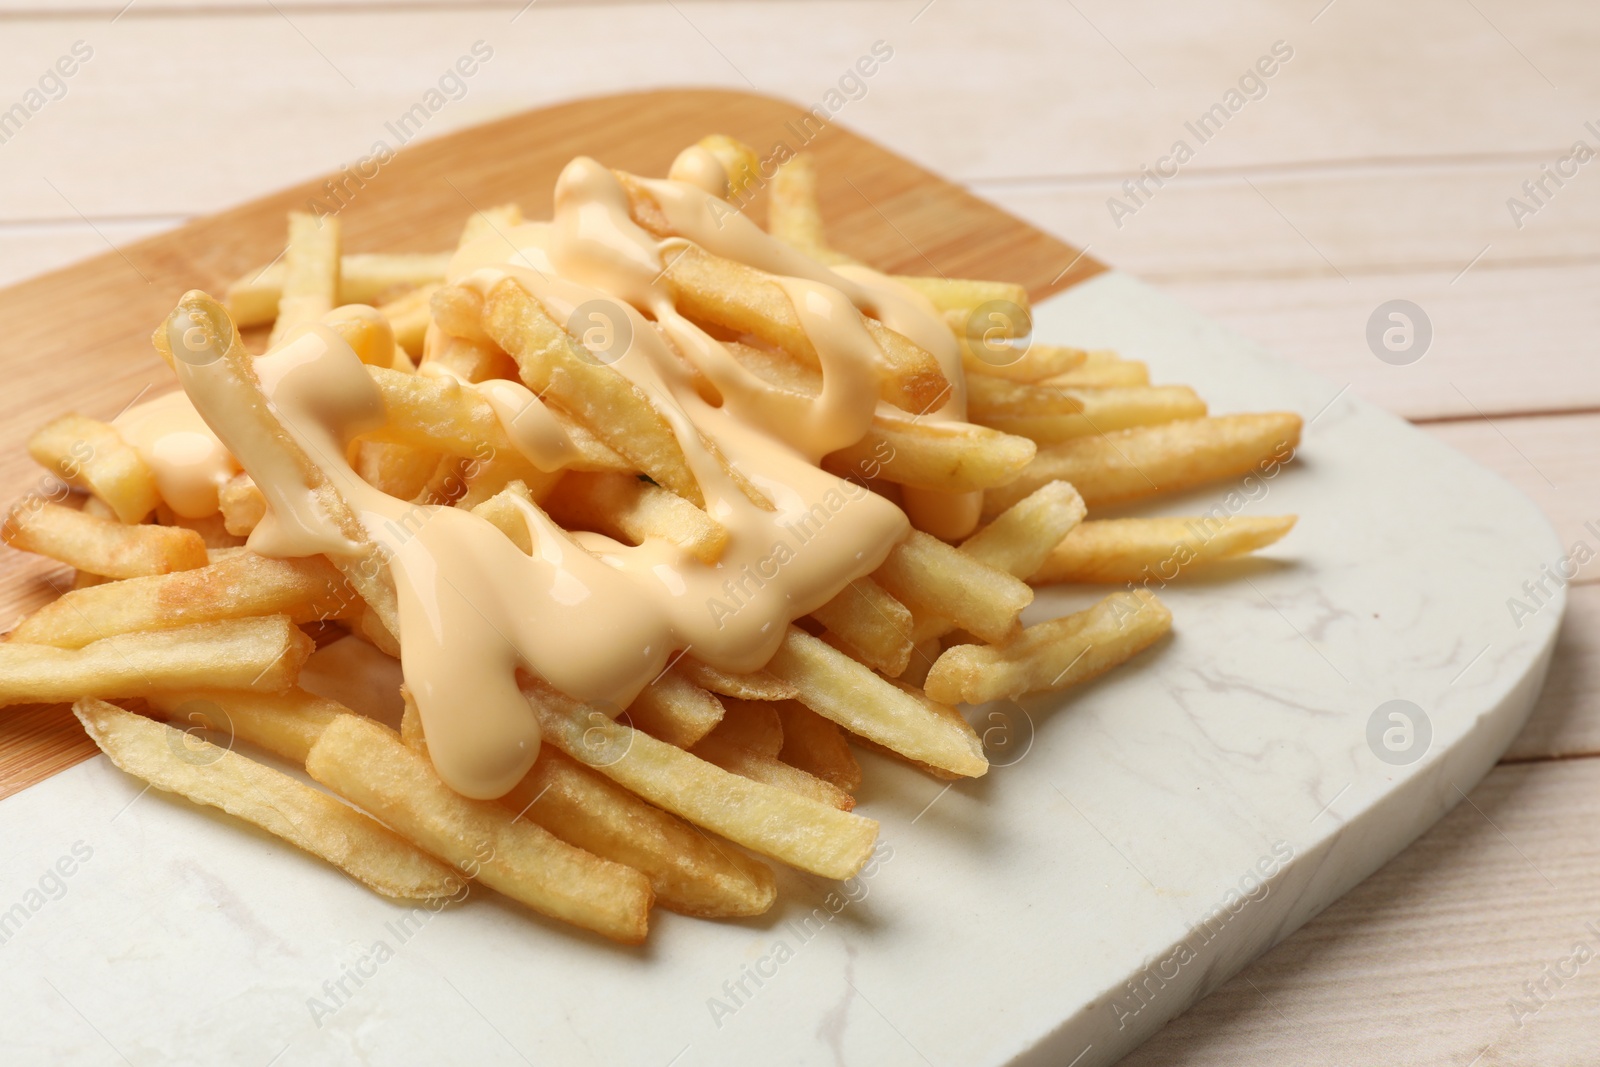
column 690, row 872
column 998, row 358
column 1102, row 369
column 237, row 586
column 1133, row 550
column 263, row 654
column 286, row 724
column 630, row 510
column 310, row 273
column 1147, row 460
column 953, row 457
column 409, row 316
column 745, row 300
column 839, row 689
column 178, row 762
column 598, row 396
column 755, row 686
column 90, row 455
column 817, row 745
column 242, row 407
column 364, row 278
column 675, row 709
column 369, row 766
column 758, row 767
column 1099, row 411
column 101, row 546
column 793, row 215
column 932, row 578
column 871, row 623
column 775, row 822
column 976, row 308
column 1052, row 655
column 1021, row 538
column 752, row 725
column 242, row 504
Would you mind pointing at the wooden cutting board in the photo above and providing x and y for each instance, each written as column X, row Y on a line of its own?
column 78, row 339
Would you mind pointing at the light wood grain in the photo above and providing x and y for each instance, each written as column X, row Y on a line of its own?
column 78, row 339
column 1566, row 721
column 1505, row 341
column 1417, row 964
column 1434, row 80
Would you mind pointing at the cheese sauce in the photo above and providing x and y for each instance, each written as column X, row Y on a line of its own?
column 595, row 618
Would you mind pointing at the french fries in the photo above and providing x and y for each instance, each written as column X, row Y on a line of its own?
column 675, row 709
column 1131, row 464
column 89, row 455
column 690, row 872
column 932, row 578
column 263, row 653
column 286, row 724
column 817, row 745
column 775, row 822
column 953, row 457
column 1021, row 538
column 596, row 395
column 1082, row 412
column 744, row 300
column 846, row 692
column 367, row 765
column 364, row 278
column 101, row 546
column 871, row 623
column 617, row 812
column 1134, row 550
column 623, row 507
column 241, row 585
column 1052, row 655
column 177, row 762
column 310, row 273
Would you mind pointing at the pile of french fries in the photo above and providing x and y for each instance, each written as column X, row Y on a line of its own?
column 678, row 801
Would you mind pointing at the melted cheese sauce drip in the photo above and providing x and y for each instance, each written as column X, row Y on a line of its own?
column 598, row 619
column 189, row 463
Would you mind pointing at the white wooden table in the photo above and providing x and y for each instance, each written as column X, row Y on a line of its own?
column 1375, row 163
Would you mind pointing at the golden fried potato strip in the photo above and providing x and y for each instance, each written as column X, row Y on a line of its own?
column 101, row 546
column 369, row 766
column 1052, row 655
column 1132, row 464
column 775, row 822
column 839, row 689
column 1134, row 550
column 310, row 273
column 237, row 586
column 183, row 763
column 90, row 455
column 264, row 654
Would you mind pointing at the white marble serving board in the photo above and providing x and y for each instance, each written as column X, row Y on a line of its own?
column 1119, row 839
